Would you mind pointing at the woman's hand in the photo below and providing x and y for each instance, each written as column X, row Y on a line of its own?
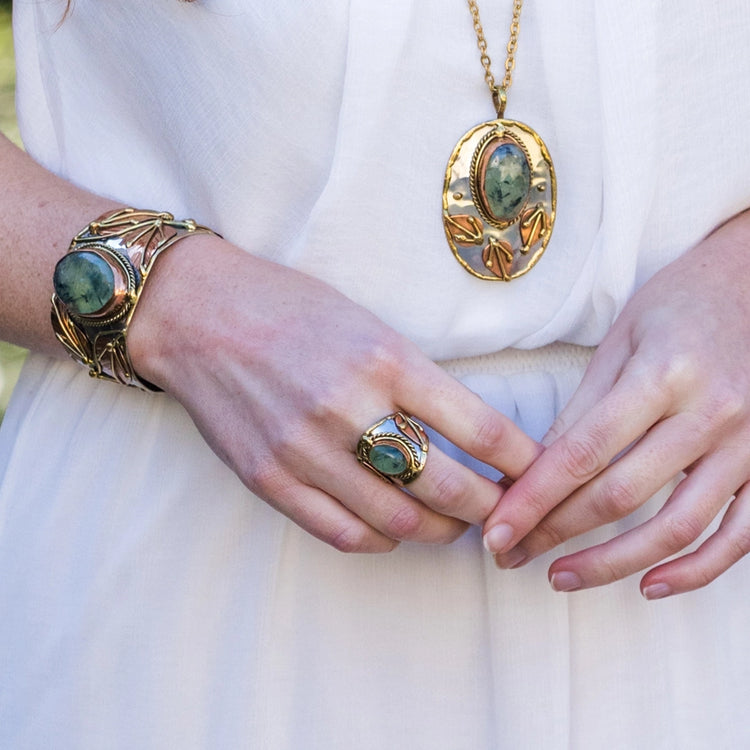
column 667, row 391
column 282, row 375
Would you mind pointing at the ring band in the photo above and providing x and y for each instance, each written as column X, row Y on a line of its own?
column 395, row 448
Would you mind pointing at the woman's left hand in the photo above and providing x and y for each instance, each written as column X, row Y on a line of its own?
column 667, row 391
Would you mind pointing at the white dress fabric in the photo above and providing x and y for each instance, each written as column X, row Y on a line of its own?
column 147, row 599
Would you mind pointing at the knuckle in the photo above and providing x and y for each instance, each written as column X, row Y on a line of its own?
column 490, row 434
column 382, row 355
column 678, row 374
column 353, row 538
column 452, row 532
column 618, row 498
column 448, row 492
column 266, row 479
column 557, row 430
column 727, row 404
column 610, row 569
column 285, row 444
column 581, row 457
column 296, row 443
column 548, row 535
column 605, row 564
column 321, row 407
column 702, row 577
column 405, row 524
column 681, row 530
column 534, row 502
column 347, row 539
column 683, row 375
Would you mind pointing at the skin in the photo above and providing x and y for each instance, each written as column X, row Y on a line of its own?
column 244, row 359
column 667, row 391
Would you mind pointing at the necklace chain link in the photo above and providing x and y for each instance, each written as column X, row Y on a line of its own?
column 499, row 93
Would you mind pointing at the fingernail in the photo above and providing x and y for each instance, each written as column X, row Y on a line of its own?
column 565, row 581
column 658, row 591
column 511, row 559
column 498, row 538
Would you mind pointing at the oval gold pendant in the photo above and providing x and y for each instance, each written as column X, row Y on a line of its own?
column 499, row 199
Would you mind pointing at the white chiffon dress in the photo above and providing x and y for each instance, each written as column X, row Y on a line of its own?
column 147, row 599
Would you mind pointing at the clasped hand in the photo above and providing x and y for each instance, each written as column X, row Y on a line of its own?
column 281, row 374
column 668, row 391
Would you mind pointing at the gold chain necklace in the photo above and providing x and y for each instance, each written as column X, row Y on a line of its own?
column 499, row 194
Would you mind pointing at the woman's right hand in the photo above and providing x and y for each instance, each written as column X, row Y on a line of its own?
column 282, row 374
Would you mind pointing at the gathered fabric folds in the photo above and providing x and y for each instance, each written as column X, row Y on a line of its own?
column 150, row 601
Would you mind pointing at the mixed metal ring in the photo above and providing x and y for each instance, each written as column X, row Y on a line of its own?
column 395, row 448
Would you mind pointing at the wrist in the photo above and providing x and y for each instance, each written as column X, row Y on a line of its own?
column 166, row 327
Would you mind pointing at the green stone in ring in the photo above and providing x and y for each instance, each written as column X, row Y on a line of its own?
column 84, row 282
column 388, row 459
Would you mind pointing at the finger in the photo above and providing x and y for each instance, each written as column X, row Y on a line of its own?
column 386, row 507
column 452, row 489
column 576, row 457
column 468, row 422
column 617, row 492
column 685, row 516
column 327, row 519
column 729, row 544
column 601, row 374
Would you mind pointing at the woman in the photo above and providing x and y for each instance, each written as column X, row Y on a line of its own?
column 152, row 600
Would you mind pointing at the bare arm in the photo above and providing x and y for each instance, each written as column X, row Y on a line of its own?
column 280, row 373
column 39, row 213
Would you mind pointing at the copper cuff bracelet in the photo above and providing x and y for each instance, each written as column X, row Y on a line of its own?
column 99, row 281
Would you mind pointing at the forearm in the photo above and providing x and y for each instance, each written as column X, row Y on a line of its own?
column 39, row 214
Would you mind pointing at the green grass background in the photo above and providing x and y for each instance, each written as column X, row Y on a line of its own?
column 11, row 357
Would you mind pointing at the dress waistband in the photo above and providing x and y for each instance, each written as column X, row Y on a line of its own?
column 556, row 357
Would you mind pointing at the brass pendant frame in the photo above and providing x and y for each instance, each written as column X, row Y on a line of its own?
column 488, row 248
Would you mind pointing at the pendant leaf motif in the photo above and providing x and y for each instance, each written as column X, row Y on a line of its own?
column 498, row 258
column 465, row 229
column 533, row 228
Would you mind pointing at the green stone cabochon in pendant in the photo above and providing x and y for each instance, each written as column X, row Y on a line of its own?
column 506, row 182
column 84, row 282
column 388, row 459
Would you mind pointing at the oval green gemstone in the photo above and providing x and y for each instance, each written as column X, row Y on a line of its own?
column 388, row 459
column 84, row 281
column 507, row 182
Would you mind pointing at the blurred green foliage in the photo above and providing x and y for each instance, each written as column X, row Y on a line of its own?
column 7, row 76
column 11, row 357
column 11, row 361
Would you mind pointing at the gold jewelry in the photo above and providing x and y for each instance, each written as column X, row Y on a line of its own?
column 99, row 282
column 500, row 193
column 395, row 448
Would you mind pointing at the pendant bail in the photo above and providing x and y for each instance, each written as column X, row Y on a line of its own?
column 499, row 99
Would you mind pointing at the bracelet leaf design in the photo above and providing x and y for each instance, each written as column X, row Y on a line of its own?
column 70, row 335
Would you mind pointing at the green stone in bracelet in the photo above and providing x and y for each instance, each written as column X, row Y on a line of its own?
column 84, row 282
column 388, row 459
